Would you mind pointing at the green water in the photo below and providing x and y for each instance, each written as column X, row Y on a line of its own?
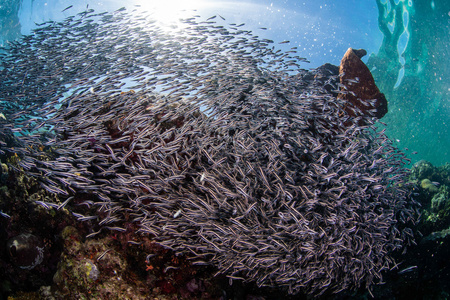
column 9, row 20
column 416, row 48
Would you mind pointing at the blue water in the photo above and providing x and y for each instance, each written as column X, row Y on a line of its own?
column 322, row 30
column 413, row 74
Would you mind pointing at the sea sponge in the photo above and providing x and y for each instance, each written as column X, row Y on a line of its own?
column 426, row 184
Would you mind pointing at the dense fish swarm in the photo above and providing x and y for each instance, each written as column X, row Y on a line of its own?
column 212, row 141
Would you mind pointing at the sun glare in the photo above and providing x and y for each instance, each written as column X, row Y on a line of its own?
column 169, row 11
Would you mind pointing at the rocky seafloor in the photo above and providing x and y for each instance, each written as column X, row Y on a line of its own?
column 108, row 266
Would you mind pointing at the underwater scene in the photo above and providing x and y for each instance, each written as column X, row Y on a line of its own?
column 203, row 149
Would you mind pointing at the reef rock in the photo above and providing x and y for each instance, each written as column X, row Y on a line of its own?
column 441, row 199
column 358, row 86
column 423, row 169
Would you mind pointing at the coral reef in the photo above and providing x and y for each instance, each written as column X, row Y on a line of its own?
column 441, row 200
column 433, row 184
column 26, row 228
column 149, row 271
column 424, row 271
column 103, row 267
column 112, row 268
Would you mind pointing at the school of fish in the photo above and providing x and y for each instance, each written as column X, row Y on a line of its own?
column 212, row 141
